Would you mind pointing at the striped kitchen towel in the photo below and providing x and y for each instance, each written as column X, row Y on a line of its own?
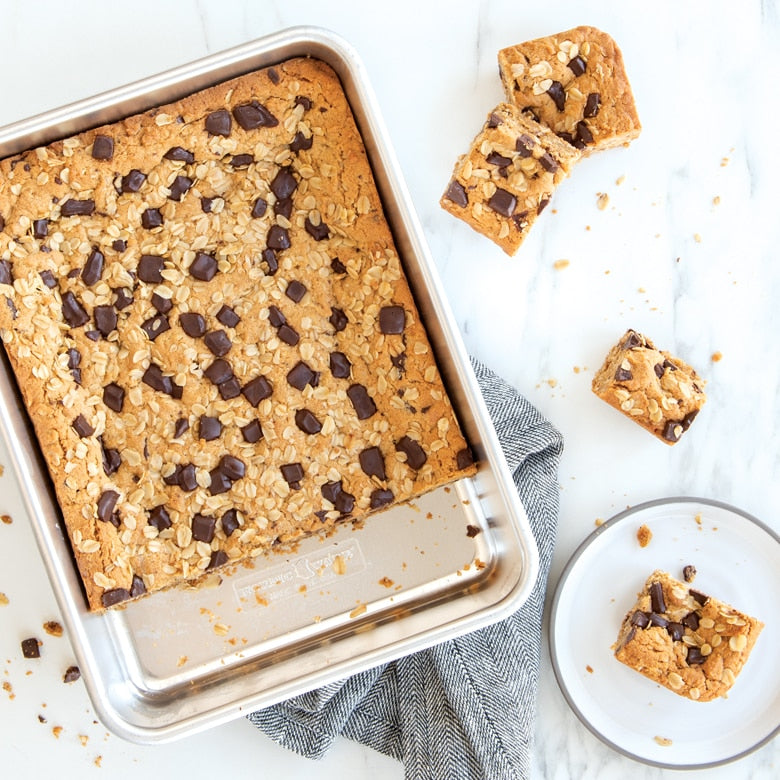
column 463, row 709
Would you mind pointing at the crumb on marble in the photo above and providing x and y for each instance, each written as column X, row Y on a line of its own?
column 644, row 535
column 3, row 599
column 620, row 179
column 716, row 356
column 559, row 265
column 716, row 200
column 589, row 669
column 662, row 741
column 598, row 521
column 7, row 519
column 53, row 628
column 602, row 200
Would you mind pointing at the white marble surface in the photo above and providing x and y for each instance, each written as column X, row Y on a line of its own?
column 698, row 276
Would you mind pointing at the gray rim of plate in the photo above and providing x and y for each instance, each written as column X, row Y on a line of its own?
column 554, row 609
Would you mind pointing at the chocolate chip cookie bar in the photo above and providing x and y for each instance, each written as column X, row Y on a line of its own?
column 689, row 642
column 508, row 176
column 213, row 334
column 574, row 82
column 656, row 390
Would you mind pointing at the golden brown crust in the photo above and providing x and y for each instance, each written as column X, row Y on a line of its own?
column 554, row 76
column 656, row 390
column 703, row 649
column 516, row 158
column 340, row 250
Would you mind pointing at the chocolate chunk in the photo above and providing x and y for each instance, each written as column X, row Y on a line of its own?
column 502, row 202
column 102, row 147
column 278, row 238
column 689, row 573
column 179, row 187
column 392, row 319
column 345, row 502
column 150, row 268
column 252, row 432
column 372, row 463
column 259, row 208
column 694, row 657
column 151, row 218
column 119, row 245
column 220, row 482
column 361, row 401
column 105, row 319
column 657, row 602
column 40, row 228
column 701, row 598
column 381, row 497
column 111, row 459
column 2, row 223
column 232, row 467
column 340, row 366
column 302, row 100
column 74, row 358
column 203, row 267
column 464, row 458
column 193, row 324
column 228, row 317
column 337, row 266
column 179, row 155
column 230, row 389
column 494, row 120
column 218, row 558
column 284, row 207
column 174, row 478
column 548, row 162
column 640, row 619
column 318, row 232
column 658, row 620
column 524, row 145
column 92, row 335
column 688, row 419
column 577, row 65
column 273, row 75
column 672, row 430
column 334, row 493
column 187, row 480
column 47, row 277
column 206, row 205
column 218, row 342
column 106, row 504
column 137, row 587
column 219, row 123
column 295, row 290
column 494, row 158
column 203, row 527
column 556, row 92
column 163, row 305
column 415, row 455
column 301, row 375
column 256, row 390
column 181, row 427
column 156, row 325
column 124, row 298
column 292, row 474
column 114, row 596
column 31, row 648
column 330, row 490
column 456, row 192
column 133, row 181
column 114, row 397
column 72, row 311
column 93, row 268
column 288, row 335
column 284, row 183
column 676, row 631
column 633, row 339
column 300, row 142
column 82, row 427
column 209, row 428
column 592, row 105
column 154, row 377
column 241, row 160
column 337, row 319
column 229, row 521
column 691, row 620
column 6, row 275
column 307, row 422
column 77, row 208
column 72, row 673
column 584, row 134
column 542, row 205
column 623, row 374
column 276, row 316
column 269, row 258
column 219, row 371
column 253, row 115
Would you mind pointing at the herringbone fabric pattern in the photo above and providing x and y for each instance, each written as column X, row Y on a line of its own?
column 464, row 709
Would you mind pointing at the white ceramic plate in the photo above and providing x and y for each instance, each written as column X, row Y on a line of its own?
column 738, row 561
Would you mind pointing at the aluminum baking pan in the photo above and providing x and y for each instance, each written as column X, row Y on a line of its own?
column 186, row 659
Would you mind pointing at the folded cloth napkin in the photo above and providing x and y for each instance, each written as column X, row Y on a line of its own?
column 464, row 708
